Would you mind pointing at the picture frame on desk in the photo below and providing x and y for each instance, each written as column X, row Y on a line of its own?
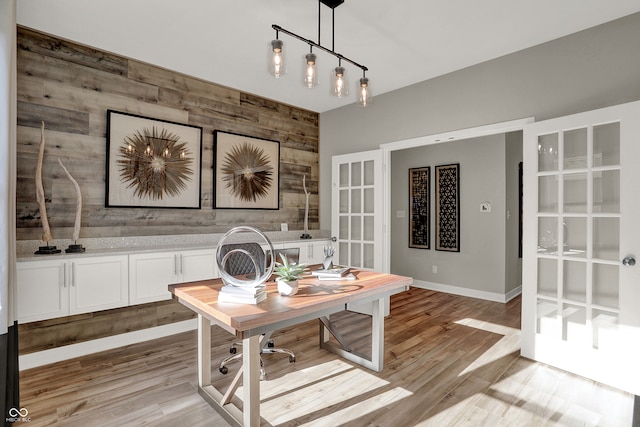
column 246, row 172
column 152, row 163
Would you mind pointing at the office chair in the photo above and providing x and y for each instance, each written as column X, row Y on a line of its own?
column 240, row 262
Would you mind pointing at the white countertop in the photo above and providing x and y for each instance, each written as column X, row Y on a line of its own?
column 138, row 244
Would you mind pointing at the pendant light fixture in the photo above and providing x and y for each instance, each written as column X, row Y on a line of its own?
column 277, row 65
column 339, row 85
column 364, row 92
column 310, row 77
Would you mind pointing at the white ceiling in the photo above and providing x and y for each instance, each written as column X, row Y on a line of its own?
column 402, row 42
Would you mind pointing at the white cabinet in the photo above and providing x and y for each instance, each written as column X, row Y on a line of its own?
column 54, row 288
column 313, row 252
column 309, row 252
column 151, row 273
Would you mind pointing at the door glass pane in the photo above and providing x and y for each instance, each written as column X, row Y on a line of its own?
column 344, row 175
column 575, row 192
column 574, row 324
column 344, row 228
column 356, row 228
column 368, row 200
column 605, row 330
column 344, row 201
column 356, row 174
column 356, row 254
column 548, row 193
column 369, row 177
column 343, row 255
column 368, row 230
column 575, row 149
column 606, row 144
column 547, row 235
column 605, row 285
column 356, row 201
column 575, row 237
column 574, row 280
column 368, row 255
column 548, row 152
column 606, row 191
column 606, row 238
column 548, row 277
column 547, row 318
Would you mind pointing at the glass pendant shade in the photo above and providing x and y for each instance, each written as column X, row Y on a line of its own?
column 364, row 93
column 310, row 78
column 339, row 87
column 276, row 58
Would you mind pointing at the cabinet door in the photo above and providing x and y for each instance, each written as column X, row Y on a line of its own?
column 42, row 290
column 198, row 265
column 149, row 276
column 313, row 252
column 98, row 283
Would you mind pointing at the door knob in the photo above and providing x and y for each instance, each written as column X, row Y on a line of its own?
column 629, row 261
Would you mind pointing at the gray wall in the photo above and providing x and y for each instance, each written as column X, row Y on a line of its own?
column 480, row 264
column 591, row 69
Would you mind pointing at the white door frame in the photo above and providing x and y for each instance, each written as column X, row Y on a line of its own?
column 492, row 129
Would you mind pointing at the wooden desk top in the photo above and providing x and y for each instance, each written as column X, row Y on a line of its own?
column 314, row 296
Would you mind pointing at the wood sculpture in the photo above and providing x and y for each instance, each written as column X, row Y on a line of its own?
column 305, row 234
column 76, row 226
column 46, row 230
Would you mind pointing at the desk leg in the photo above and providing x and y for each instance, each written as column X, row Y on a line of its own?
column 376, row 362
column 377, row 335
column 204, row 352
column 251, row 380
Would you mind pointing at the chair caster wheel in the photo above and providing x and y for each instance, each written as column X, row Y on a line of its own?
column 292, row 359
column 233, row 350
column 223, row 370
column 271, row 344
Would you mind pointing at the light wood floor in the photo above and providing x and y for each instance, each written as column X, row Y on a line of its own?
column 450, row 361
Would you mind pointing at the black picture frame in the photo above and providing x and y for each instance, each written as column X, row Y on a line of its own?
column 152, row 163
column 419, row 207
column 246, row 172
column 447, row 207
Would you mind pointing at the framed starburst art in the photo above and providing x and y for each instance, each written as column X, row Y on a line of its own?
column 247, row 172
column 152, row 163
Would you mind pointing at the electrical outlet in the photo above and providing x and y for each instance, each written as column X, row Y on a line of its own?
column 284, row 227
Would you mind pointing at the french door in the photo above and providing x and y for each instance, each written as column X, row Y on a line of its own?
column 356, row 216
column 581, row 287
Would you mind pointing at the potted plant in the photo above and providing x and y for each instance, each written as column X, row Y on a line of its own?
column 288, row 275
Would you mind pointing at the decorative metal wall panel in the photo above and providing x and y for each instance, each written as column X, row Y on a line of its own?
column 419, row 207
column 447, row 193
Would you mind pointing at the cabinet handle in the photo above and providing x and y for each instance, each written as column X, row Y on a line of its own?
column 180, row 259
column 175, row 264
column 64, row 277
column 73, row 274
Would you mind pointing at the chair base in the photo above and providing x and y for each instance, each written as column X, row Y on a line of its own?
column 268, row 348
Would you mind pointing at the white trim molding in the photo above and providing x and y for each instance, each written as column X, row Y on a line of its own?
column 466, row 292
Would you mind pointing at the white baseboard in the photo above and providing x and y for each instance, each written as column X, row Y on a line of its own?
column 58, row 354
column 466, row 292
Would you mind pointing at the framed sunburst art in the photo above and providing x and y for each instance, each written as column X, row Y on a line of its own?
column 247, row 172
column 152, row 163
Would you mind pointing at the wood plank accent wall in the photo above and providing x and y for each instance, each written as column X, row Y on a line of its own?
column 71, row 87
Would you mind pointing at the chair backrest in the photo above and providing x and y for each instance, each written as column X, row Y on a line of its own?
column 239, row 263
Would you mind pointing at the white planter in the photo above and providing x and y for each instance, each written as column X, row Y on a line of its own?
column 287, row 288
